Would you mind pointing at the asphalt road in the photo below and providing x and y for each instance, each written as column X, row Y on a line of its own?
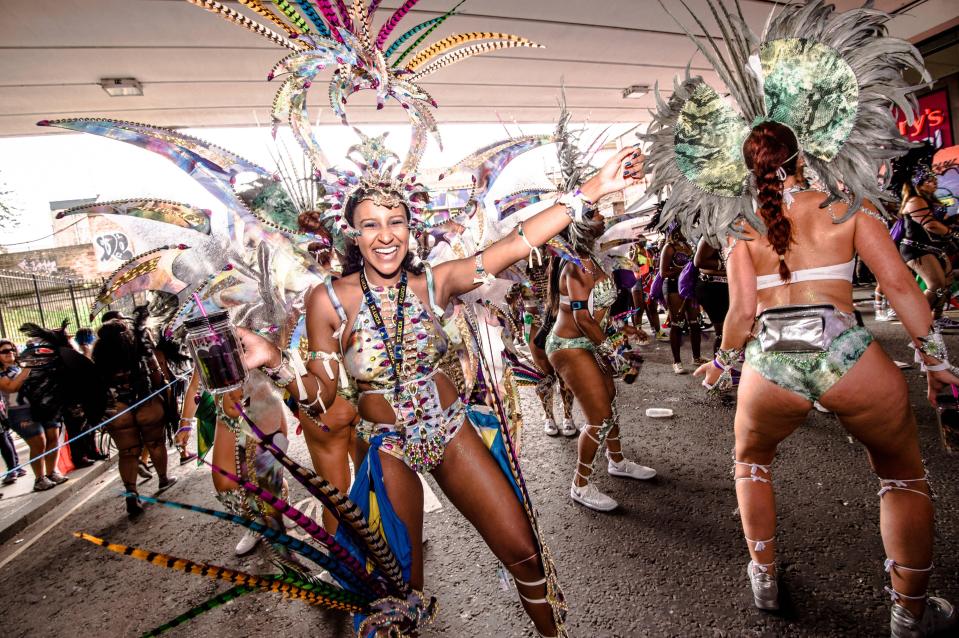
column 669, row 562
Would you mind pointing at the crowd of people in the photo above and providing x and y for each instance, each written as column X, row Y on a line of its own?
column 57, row 390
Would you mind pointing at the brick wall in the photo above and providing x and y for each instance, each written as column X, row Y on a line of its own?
column 77, row 262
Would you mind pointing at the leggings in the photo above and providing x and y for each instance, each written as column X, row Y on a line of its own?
column 8, row 450
column 713, row 296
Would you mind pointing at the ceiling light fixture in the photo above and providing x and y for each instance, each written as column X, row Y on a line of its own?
column 636, row 91
column 121, row 87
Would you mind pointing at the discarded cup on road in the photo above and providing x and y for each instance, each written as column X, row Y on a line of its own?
column 659, row 413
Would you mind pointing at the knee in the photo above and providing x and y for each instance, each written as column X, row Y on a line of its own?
column 751, row 449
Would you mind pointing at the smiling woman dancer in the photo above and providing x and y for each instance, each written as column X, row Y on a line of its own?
column 382, row 322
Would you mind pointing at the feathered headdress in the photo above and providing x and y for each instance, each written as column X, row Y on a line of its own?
column 346, row 38
column 830, row 77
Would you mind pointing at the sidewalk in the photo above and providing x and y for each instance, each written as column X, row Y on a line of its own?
column 21, row 506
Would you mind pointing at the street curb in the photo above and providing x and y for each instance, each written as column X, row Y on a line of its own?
column 72, row 487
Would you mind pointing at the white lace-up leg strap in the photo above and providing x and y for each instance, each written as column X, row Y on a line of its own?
column 588, row 466
column 754, row 472
column 888, row 485
column 891, row 566
column 608, row 453
column 760, row 545
column 535, row 583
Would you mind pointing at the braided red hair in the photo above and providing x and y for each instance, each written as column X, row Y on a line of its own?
column 770, row 147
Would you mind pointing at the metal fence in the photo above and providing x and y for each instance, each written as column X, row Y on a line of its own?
column 47, row 301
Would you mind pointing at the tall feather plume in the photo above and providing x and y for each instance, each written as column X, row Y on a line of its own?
column 453, row 41
column 393, row 21
column 346, row 511
column 352, row 572
column 430, row 26
column 238, row 18
column 307, row 9
column 331, row 18
column 257, row 7
column 345, row 16
column 208, row 605
column 292, row 15
column 284, row 585
column 467, row 52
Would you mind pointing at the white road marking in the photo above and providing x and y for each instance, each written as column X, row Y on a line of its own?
column 22, row 547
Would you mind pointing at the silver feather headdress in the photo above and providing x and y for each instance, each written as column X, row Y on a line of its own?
column 830, row 77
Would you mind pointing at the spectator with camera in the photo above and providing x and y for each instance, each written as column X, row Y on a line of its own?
column 41, row 435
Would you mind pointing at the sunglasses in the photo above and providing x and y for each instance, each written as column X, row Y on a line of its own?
column 8, row 352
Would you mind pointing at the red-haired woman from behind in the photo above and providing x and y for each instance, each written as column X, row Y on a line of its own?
column 810, row 347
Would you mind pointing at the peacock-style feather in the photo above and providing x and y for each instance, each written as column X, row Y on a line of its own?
column 308, row 525
column 223, row 598
column 286, row 585
column 347, row 570
column 830, row 77
column 346, row 511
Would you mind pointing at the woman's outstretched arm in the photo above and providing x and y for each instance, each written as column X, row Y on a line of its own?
column 460, row 276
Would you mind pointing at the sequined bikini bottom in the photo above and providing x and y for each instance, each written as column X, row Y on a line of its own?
column 810, row 374
column 554, row 343
column 422, row 429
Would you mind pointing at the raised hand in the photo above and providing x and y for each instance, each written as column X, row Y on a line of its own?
column 623, row 169
column 257, row 351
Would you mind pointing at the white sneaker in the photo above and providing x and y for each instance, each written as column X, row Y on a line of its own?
column 569, row 428
column 630, row 469
column 550, row 428
column 678, row 368
column 247, row 543
column 592, row 498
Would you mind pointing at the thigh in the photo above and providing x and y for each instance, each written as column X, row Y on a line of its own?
column 124, row 431
column 674, row 305
column 540, row 358
column 224, row 456
column 477, row 487
column 582, row 375
column 930, row 270
column 51, row 432
column 639, row 299
column 872, row 403
column 765, row 415
column 406, row 497
column 151, row 419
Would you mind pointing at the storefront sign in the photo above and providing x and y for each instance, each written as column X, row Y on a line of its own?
column 932, row 123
